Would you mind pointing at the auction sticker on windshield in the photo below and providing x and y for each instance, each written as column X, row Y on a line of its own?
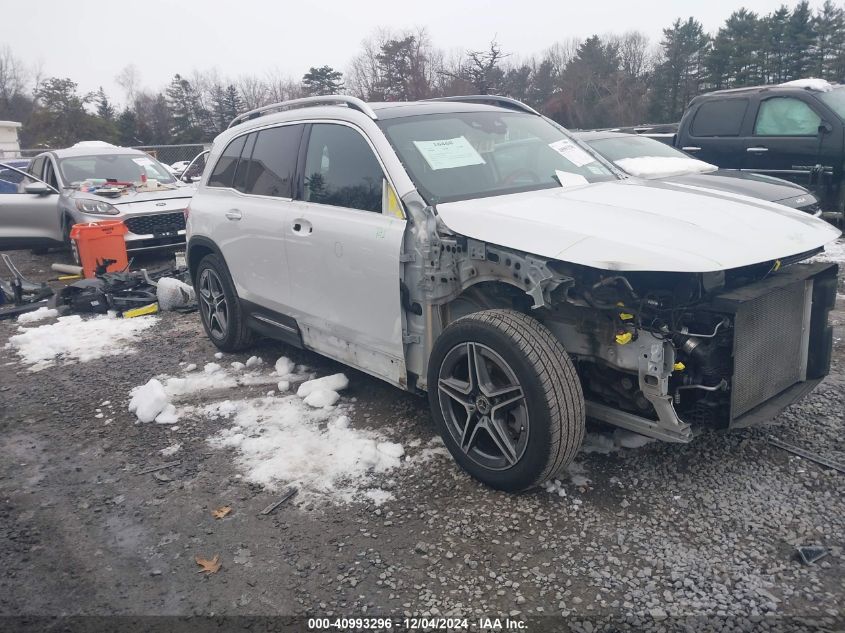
column 449, row 153
column 571, row 152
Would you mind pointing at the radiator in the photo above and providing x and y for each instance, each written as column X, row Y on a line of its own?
column 771, row 339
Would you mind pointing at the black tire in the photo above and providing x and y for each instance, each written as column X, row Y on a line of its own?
column 544, row 430
column 229, row 334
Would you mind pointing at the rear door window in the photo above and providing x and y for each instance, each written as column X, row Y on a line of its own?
column 719, row 118
column 243, row 165
column 341, row 169
column 786, row 116
column 271, row 164
column 224, row 171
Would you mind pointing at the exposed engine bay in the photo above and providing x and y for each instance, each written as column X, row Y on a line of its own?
column 657, row 352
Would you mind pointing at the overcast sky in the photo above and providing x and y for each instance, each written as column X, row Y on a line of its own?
column 90, row 41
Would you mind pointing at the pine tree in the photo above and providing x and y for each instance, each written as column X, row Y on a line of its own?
column 127, row 128
column 800, row 38
column 105, row 110
column 829, row 27
column 773, row 36
column 680, row 75
column 324, row 80
column 186, row 126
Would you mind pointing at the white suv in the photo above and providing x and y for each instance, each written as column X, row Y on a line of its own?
column 472, row 249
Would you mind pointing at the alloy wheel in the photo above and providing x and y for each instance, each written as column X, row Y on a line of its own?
column 215, row 309
column 484, row 405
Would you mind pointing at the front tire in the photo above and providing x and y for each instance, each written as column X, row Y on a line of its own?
column 506, row 399
column 220, row 309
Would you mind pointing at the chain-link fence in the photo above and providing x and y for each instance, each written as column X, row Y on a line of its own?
column 167, row 154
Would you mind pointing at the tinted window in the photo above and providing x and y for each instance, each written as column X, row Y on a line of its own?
column 224, row 171
column 785, row 116
column 243, row 164
column 273, row 162
column 37, row 167
column 719, row 118
column 341, row 169
column 50, row 175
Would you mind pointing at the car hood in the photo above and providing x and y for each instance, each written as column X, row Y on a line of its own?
column 640, row 225
column 745, row 183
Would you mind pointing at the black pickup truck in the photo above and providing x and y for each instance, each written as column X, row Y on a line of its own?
column 794, row 131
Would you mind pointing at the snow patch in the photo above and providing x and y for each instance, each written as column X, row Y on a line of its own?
column 148, row 400
column 606, row 443
column 663, row 166
column 72, row 339
column 38, row 315
column 284, row 366
column 811, row 82
column 321, row 398
column 283, row 441
column 170, row 450
column 335, row 382
column 833, row 252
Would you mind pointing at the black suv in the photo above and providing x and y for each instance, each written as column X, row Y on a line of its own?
column 793, row 131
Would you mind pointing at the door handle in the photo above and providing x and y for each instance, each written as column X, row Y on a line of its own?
column 234, row 214
column 757, row 150
column 301, row 226
column 691, row 148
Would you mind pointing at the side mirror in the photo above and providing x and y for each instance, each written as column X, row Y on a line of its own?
column 38, row 189
column 825, row 128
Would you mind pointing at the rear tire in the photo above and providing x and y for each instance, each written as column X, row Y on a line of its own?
column 220, row 309
column 506, row 399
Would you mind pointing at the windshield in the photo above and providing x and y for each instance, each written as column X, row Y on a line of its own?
column 620, row 147
column 462, row 155
column 118, row 167
column 835, row 100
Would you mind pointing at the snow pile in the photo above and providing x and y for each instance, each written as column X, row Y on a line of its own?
column 663, row 166
column 38, row 315
column 93, row 144
column 150, row 402
column 322, row 392
column 282, row 440
column 812, row 83
column 73, row 339
column 833, row 252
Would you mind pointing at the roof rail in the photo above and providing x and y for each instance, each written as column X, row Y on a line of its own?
column 505, row 102
column 305, row 102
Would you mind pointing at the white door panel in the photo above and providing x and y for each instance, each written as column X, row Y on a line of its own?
column 344, row 281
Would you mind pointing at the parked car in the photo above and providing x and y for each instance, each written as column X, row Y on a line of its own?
column 193, row 172
column 648, row 158
column 794, row 131
column 10, row 178
column 474, row 250
column 178, row 167
column 50, row 201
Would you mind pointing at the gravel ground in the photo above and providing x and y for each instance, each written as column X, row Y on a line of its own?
column 662, row 537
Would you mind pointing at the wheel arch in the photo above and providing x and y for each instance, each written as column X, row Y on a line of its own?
column 199, row 247
column 487, row 294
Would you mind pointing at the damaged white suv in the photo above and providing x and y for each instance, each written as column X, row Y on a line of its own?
column 472, row 249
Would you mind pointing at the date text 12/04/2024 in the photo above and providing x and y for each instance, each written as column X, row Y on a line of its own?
column 416, row 623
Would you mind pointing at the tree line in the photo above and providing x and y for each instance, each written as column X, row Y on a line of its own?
column 601, row 81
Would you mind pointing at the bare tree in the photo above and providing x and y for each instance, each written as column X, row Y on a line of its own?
column 130, row 80
column 481, row 69
column 253, row 91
